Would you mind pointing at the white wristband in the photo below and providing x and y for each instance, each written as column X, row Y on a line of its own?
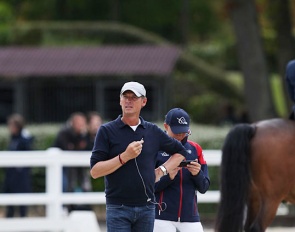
column 164, row 170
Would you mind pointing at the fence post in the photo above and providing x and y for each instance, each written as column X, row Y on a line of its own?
column 54, row 210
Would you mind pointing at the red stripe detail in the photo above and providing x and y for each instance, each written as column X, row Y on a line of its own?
column 160, row 202
column 200, row 152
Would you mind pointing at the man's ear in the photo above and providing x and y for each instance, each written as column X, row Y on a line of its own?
column 144, row 101
column 120, row 100
column 166, row 126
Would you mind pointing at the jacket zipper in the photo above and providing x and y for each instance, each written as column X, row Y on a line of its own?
column 180, row 196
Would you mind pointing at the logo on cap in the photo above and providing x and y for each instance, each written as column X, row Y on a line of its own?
column 178, row 120
column 182, row 121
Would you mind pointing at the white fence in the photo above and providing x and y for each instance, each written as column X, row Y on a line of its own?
column 53, row 160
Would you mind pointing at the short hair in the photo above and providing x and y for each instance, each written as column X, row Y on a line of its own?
column 17, row 119
column 92, row 114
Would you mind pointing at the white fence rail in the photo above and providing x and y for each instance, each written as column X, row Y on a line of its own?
column 53, row 160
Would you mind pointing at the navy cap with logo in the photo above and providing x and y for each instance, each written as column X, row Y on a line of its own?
column 178, row 120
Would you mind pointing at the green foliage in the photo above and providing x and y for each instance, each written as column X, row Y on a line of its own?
column 204, row 19
column 162, row 17
column 278, row 95
column 44, row 135
column 6, row 14
column 5, row 35
column 6, row 17
column 205, row 108
column 26, row 37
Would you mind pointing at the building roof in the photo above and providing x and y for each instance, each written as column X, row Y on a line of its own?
column 91, row 61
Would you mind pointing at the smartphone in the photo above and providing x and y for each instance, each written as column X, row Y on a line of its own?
column 184, row 163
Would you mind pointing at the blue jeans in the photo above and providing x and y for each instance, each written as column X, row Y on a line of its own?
column 122, row 218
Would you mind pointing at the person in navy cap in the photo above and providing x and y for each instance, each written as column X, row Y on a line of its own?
column 290, row 80
column 176, row 192
column 125, row 152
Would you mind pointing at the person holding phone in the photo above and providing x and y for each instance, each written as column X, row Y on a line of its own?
column 125, row 152
column 176, row 192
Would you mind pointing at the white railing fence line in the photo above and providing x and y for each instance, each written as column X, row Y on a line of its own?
column 53, row 160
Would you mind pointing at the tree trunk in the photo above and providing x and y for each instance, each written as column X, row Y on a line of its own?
column 251, row 58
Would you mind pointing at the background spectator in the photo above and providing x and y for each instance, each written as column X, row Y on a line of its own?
column 94, row 121
column 73, row 137
column 18, row 179
column 177, row 191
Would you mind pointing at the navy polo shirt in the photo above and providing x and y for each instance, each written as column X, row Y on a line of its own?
column 124, row 186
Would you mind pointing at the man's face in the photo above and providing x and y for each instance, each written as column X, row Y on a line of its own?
column 79, row 124
column 13, row 129
column 131, row 104
column 94, row 124
column 178, row 137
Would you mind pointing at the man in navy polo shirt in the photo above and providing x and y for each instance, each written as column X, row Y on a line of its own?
column 125, row 152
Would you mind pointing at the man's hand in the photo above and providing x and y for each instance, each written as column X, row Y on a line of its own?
column 173, row 173
column 159, row 173
column 194, row 167
column 173, row 162
column 132, row 151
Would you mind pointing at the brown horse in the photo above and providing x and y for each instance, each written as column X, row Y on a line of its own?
column 257, row 174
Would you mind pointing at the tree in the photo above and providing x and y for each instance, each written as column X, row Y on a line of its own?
column 251, row 57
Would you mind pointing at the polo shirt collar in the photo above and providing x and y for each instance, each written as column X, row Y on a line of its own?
column 121, row 124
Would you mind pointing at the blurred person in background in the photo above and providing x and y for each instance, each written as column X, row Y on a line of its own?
column 73, row 137
column 18, row 179
column 176, row 192
column 94, row 121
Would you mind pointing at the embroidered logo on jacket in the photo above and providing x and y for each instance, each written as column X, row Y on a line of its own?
column 189, row 151
column 164, row 154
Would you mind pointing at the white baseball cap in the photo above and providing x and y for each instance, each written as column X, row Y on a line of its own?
column 137, row 88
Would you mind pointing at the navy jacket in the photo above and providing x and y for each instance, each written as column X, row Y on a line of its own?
column 125, row 186
column 179, row 194
column 18, row 180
